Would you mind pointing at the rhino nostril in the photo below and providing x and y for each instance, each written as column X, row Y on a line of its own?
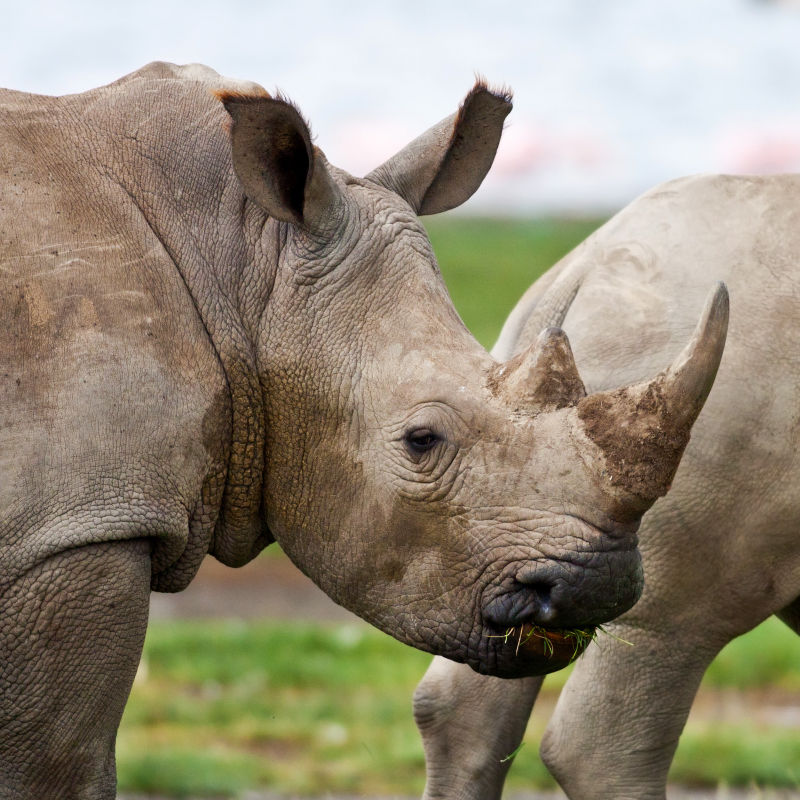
column 527, row 602
column 540, row 582
column 545, row 611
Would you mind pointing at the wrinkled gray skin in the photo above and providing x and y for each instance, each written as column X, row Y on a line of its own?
column 213, row 339
column 720, row 551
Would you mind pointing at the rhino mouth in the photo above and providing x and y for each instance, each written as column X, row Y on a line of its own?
column 531, row 649
column 543, row 616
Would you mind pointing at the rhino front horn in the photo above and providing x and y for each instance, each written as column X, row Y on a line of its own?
column 543, row 377
column 643, row 429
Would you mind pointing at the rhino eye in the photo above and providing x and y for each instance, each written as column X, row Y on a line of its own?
column 421, row 440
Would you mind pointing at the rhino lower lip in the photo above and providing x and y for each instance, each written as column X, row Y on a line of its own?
column 547, row 649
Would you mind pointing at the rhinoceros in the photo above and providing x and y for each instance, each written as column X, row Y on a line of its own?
column 721, row 551
column 212, row 339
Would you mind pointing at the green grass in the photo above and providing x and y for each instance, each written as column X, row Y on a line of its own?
column 299, row 708
column 768, row 656
column 311, row 709
column 184, row 770
column 742, row 754
column 487, row 264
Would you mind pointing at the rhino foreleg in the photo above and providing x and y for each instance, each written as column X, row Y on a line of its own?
column 71, row 634
column 618, row 720
column 470, row 725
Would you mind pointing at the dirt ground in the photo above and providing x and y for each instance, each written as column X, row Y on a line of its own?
column 268, row 587
column 271, row 587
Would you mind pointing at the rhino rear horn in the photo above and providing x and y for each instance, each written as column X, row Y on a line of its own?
column 542, row 378
column 643, row 429
column 444, row 166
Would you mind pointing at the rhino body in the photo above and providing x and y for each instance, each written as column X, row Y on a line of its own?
column 721, row 551
column 213, row 339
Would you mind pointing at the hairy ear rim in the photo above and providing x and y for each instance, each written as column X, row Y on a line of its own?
column 226, row 96
column 476, row 136
column 444, row 166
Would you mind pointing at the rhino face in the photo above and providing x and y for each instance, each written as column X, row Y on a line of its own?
column 441, row 496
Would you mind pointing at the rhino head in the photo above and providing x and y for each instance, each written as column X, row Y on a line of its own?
column 441, row 496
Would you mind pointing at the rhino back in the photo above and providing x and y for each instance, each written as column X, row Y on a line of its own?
column 109, row 385
column 643, row 280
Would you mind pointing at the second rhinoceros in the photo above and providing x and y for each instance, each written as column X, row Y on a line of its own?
column 212, row 339
column 720, row 551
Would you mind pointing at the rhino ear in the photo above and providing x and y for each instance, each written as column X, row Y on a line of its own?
column 442, row 168
column 279, row 168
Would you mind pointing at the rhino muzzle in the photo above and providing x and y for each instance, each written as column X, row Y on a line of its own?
column 529, row 632
column 561, row 594
column 629, row 443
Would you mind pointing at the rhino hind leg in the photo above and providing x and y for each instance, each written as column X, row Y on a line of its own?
column 470, row 724
column 71, row 633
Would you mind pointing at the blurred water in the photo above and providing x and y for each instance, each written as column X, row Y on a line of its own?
column 611, row 97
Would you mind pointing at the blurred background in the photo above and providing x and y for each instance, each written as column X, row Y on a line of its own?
column 610, row 98
column 252, row 678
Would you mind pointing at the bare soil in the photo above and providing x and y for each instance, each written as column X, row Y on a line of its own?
column 269, row 587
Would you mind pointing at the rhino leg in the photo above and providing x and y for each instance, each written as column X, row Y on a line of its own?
column 618, row 720
column 71, row 634
column 469, row 724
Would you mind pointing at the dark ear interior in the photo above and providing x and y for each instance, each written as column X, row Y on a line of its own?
column 272, row 153
column 288, row 161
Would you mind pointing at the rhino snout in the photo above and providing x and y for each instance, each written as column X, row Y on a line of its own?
column 565, row 595
column 528, row 600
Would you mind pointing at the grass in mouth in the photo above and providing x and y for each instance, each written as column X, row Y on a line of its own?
column 581, row 638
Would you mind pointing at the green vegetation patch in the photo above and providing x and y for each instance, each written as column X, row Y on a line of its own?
column 185, row 771
column 308, row 709
column 742, row 755
column 298, row 708
column 489, row 263
column 299, row 655
column 768, row 656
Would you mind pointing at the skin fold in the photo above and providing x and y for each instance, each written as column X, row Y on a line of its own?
column 213, row 340
column 720, row 551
